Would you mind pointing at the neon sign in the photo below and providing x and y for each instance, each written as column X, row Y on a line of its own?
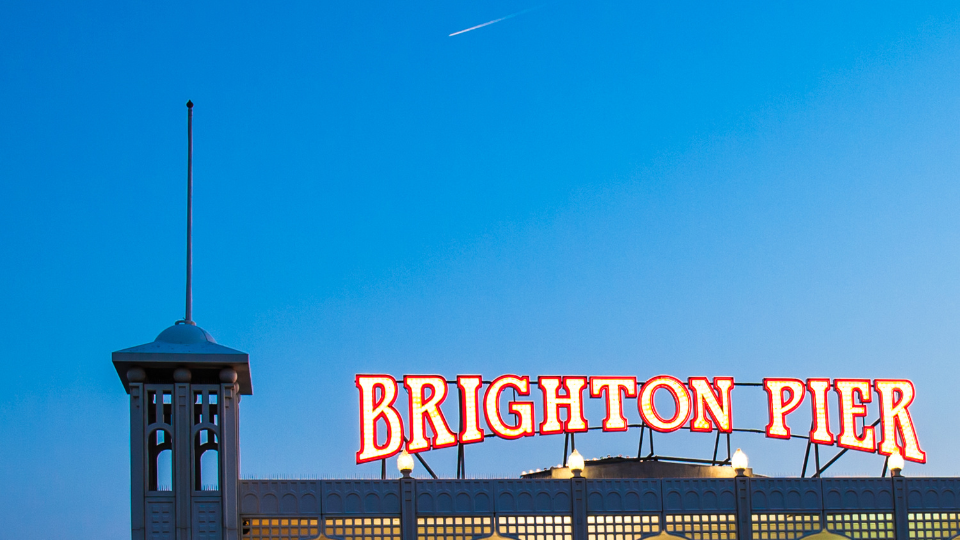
column 700, row 405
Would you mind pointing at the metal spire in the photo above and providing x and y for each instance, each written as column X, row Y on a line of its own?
column 188, row 318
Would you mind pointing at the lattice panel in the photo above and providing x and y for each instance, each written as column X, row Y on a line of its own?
column 536, row 527
column 453, row 527
column 280, row 529
column 381, row 528
column 784, row 526
column 858, row 526
column 702, row 526
column 620, row 527
column 160, row 520
column 934, row 525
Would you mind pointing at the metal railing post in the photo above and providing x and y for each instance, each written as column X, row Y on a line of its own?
column 408, row 509
column 901, row 518
column 744, row 530
column 578, row 492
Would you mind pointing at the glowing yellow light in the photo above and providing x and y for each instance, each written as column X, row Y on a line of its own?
column 648, row 409
column 820, row 431
column 713, row 400
column 372, row 410
column 895, row 419
column 470, row 414
column 552, row 403
column 778, row 408
column 422, row 412
column 895, row 463
column 523, row 410
column 405, row 463
column 575, row 462
column 611, row 387
column 738, row 460
column 853, row 394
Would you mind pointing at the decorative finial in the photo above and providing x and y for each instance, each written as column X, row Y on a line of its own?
column 189, row 104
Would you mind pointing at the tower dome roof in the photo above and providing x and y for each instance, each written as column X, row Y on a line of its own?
column 184, row 345
column 184, row 334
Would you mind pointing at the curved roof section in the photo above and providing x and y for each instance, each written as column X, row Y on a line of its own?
column 184, row 333
column 184, row 345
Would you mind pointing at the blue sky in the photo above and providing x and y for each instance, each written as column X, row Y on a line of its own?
column 587, row 188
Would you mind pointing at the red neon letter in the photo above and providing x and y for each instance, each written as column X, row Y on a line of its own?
column 779, row 409
column 895, row 397
column 424, row 409
column 470, row 410
column 853, row 394
column 820, row 432
column 716, row 403
column 648, row 409
column 523, row 410
column 552, row 403
column 612, row 387
column 371, row 410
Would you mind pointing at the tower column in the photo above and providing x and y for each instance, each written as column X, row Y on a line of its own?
column 230, row 453
column 183, row 458
column 138, row 463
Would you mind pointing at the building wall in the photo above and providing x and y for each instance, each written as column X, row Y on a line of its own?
column 608, row 509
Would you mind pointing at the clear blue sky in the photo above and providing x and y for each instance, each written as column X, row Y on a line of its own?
column 587, row 188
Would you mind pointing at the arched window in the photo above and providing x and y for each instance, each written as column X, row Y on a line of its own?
column 160, row 452
column 207, row 452
column 206, row 444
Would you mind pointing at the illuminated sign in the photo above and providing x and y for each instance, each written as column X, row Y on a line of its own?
column 700, row 405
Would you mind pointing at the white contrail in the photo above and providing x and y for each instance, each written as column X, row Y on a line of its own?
column 496, row 20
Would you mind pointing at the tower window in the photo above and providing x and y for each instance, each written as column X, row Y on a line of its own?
column 206, row 443
column 207, row 452
column 160, row 452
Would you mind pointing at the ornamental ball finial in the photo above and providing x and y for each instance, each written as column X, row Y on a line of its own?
column 136, row 374
column 182, row 375
column 228, row 375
